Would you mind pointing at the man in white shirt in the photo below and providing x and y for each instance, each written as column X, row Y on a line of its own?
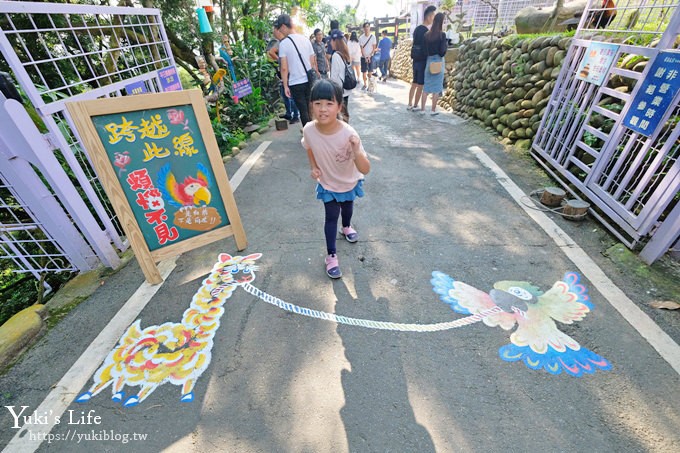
column 368, row 45
column 294, row 64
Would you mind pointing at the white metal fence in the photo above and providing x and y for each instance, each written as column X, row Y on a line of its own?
column 67, row 52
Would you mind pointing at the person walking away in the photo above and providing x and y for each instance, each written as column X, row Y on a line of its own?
column 355, row 54
column 296, row 57
column 292, row 112
column 367, row 43
column 320, row 52
column 338, row 163
column 339, row 60
column 419, row 58
column 435, row 47
column 385, row 47
column 329, row 50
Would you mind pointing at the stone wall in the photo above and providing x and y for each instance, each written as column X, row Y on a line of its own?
column 504, row 83
column 401, row 66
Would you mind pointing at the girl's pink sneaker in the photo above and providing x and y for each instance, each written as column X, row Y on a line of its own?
column 350, row 234
column 333, row 266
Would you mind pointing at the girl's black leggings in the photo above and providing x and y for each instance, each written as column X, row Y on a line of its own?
column 333, row 210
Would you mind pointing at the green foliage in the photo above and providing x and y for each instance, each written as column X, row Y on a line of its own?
column 19, row 291
column 188, row 82
column 227, row 138
column 517, row 66
column 250, row 62
column 321, row 17
column 180, row 17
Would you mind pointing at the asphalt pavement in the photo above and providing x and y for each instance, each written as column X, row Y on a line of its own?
column 281, row 381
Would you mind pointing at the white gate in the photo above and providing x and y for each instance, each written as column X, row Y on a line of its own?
column 633, row 178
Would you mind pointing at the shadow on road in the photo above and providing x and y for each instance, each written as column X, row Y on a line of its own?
column 377, row 415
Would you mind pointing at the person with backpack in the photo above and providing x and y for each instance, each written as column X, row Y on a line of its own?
column 341, row 71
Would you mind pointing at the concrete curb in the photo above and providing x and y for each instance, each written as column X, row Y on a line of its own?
column 20, row 332
column 24, row 328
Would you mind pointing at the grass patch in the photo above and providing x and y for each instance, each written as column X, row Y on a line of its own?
column 660, row 279
column 514, row 39
column 60, row 313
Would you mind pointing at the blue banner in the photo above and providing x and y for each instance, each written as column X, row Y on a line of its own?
column 136, row 88
column 655, row 95
column 242, row 88
column 169, row 79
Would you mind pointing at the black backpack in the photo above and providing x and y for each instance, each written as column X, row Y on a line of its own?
column 350, row 81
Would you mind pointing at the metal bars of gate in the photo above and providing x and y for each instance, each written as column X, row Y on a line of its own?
column 24, row 156
column 25, row 241
column 632, row 179
column 89, row 52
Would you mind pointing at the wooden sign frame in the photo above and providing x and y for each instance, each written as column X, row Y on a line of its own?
column 82, row 112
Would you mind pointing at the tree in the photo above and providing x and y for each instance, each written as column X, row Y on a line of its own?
column 322, row 16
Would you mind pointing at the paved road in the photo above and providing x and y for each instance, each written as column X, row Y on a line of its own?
column 284, row 382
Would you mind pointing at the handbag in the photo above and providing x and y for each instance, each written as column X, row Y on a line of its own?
column 311, row 73
column 435, row 67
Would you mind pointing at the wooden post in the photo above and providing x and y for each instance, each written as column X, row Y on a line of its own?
column 552, row 196
column 575, row 209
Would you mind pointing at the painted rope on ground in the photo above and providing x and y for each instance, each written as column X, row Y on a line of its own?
column 380, row 325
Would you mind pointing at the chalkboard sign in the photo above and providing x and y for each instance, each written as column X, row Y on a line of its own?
column 158, row 160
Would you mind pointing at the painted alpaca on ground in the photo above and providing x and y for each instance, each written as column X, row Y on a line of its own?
column 173, row 352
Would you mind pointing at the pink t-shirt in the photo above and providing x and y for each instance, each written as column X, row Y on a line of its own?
column 333, row 155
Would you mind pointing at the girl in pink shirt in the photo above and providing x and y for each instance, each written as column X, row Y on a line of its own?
column 338, row 162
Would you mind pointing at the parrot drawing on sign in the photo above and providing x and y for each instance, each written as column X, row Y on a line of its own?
column 191, row 192
column 537, row 341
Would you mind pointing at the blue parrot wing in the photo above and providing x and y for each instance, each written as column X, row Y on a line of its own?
column 574, row 281
column 165, row 180
column 573, row 362
column 441, row 284
column 204, row 173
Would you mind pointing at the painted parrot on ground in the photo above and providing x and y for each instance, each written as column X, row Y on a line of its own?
column 191, row 192
column 537, row 341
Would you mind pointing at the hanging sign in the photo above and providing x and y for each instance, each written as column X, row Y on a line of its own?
column 242, row 88
column 655, row 95
column 596, row 62
column 158, row 160
column 169, row 79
